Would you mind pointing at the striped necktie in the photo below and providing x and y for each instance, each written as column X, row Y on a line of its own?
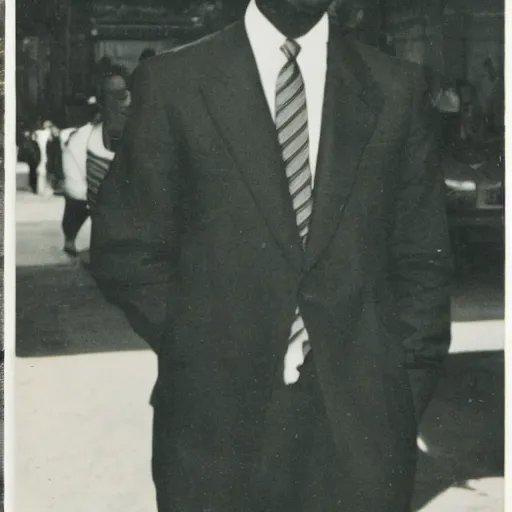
column 293, row 136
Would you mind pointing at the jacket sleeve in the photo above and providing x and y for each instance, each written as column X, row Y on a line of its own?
column 134, row 238
column 421, row 259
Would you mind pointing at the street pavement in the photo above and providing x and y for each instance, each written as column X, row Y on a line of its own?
column 83, row 380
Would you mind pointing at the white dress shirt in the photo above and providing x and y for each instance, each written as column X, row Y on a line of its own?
column 266, row 42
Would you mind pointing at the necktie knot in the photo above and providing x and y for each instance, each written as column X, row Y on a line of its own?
column 291, row 49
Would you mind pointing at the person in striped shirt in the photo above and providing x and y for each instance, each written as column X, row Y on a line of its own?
column 89, row 150
column 113, row 99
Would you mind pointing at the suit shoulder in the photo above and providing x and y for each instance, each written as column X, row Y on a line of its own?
column 186, row 58
column 396, row 77
column 385, row 64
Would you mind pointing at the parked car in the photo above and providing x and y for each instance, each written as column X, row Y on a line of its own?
column 475, row 187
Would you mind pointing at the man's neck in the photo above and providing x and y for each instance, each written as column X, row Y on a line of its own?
column 290, row 21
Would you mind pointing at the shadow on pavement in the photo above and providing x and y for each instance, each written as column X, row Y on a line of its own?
column 59, row 311
column 464, row 426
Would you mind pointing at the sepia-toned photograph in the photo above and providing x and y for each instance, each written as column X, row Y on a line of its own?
column 260, row 255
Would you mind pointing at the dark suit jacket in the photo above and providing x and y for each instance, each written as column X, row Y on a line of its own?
column 194, row 237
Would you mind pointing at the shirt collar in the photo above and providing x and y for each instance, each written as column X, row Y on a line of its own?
column 265, row 38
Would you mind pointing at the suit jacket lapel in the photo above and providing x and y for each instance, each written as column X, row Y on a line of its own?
column 351, row 107
column 236, row 103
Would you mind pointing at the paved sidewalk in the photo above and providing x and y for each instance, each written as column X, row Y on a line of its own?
column 83, row 380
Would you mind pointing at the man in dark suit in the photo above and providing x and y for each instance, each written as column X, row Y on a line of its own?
column 273, row 225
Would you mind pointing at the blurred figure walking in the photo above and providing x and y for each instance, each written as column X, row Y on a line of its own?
column 76, row 211
column 28, row 152
column 88, row 151
column 113, row 100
